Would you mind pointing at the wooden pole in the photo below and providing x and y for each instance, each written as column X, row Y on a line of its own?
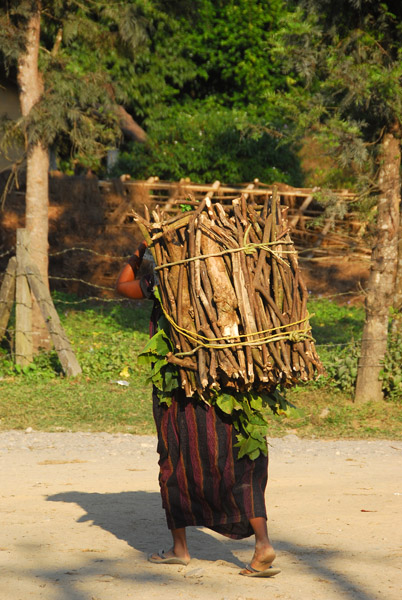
column 23, row 310
column 62, row 346
column 295, row 219
column 7, row 295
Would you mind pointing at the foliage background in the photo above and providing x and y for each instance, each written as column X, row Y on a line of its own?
column 197, row 76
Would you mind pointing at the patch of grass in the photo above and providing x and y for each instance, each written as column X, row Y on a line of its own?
column 107, row 338
column 328, row 413
column 333, row 323
column 76, row 405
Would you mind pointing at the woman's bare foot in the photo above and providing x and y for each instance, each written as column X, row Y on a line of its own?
column 264, row 556
column 169, row 557
column 178, row 553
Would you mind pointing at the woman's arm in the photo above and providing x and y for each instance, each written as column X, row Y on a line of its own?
column 127, row 284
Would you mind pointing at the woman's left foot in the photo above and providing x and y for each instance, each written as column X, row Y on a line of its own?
column 261, row 562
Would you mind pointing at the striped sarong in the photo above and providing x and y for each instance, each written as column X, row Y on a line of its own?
column 202, row 480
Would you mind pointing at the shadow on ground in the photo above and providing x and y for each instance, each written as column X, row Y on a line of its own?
column 137, row 519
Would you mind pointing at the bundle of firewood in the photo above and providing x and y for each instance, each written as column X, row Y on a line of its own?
column 231, row 289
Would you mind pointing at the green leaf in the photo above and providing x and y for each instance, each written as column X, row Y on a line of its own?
column 258, row 420
column 226, row 403
column 248, row 446
column 254, row 454
column 158, row 345
column 170, row 379
column 256, row 400
column 158, row 365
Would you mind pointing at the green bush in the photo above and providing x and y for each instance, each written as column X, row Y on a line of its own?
column 391, row 372
column 206, row 142
column 341, row 366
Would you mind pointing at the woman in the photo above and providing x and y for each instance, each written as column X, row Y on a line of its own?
column 202, row 480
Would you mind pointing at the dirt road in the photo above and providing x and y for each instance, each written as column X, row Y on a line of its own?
column 80, row 513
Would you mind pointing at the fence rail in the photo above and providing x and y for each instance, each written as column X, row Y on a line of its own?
column 306, row 216
column 92, row 228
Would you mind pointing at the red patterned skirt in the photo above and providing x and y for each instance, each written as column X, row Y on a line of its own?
column 202, row 480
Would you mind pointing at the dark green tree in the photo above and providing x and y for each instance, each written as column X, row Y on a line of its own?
column 348, row 54
column 217, row 123
column 60, row 96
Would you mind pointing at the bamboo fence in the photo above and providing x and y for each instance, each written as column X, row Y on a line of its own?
column 314, row 233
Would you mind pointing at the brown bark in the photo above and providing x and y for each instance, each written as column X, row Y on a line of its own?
column 37, row 198
column 381, row 283
column 224, row 294
column 397, row 303
column 129, row 127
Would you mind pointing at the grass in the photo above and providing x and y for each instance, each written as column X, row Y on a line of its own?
column 79, row 405
column 326, row 413
column 107, row 338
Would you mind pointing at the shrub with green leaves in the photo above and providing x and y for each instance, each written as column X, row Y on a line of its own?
column 391, row 372
column 340, row 363
column 206, row 141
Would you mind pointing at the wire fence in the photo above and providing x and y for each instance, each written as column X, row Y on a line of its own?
column 120, row 260
column 90, row 241
column 106, row 295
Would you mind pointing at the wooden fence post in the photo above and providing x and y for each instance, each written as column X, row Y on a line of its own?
column 7, row 295
column 23, row 308
column 296, row 217
column 62, row 346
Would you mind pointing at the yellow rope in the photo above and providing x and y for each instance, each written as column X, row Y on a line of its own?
column 302, row 334
column 247, row 248
column 294, row 336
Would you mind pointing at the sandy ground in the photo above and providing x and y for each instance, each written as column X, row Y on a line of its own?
column 80, row 513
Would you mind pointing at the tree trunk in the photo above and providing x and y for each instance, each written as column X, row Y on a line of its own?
column 37, row 197
column 397, row 303
column 381, row 283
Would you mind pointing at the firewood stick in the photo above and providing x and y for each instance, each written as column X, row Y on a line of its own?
column 271, row 346
column 185, row 363
column 245, row 286
column 231, row 367
column 271, row 304
column 278, row 292
column 267, row 364
column 222, row 355
column 182, row 284
column 240, row 364
column 199, row 320
column 238, row 213
column 226, row 222
column 293, row 318
column 187, row 378
column 253, row 218
column 224, row 295
column 285, row 276
column 199, row 291
column 277, row 319
column 265, row 210
column 265, row 356
column 262, row 253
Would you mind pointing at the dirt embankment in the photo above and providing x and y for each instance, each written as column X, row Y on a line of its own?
column 88, row 238
column 91, row 231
